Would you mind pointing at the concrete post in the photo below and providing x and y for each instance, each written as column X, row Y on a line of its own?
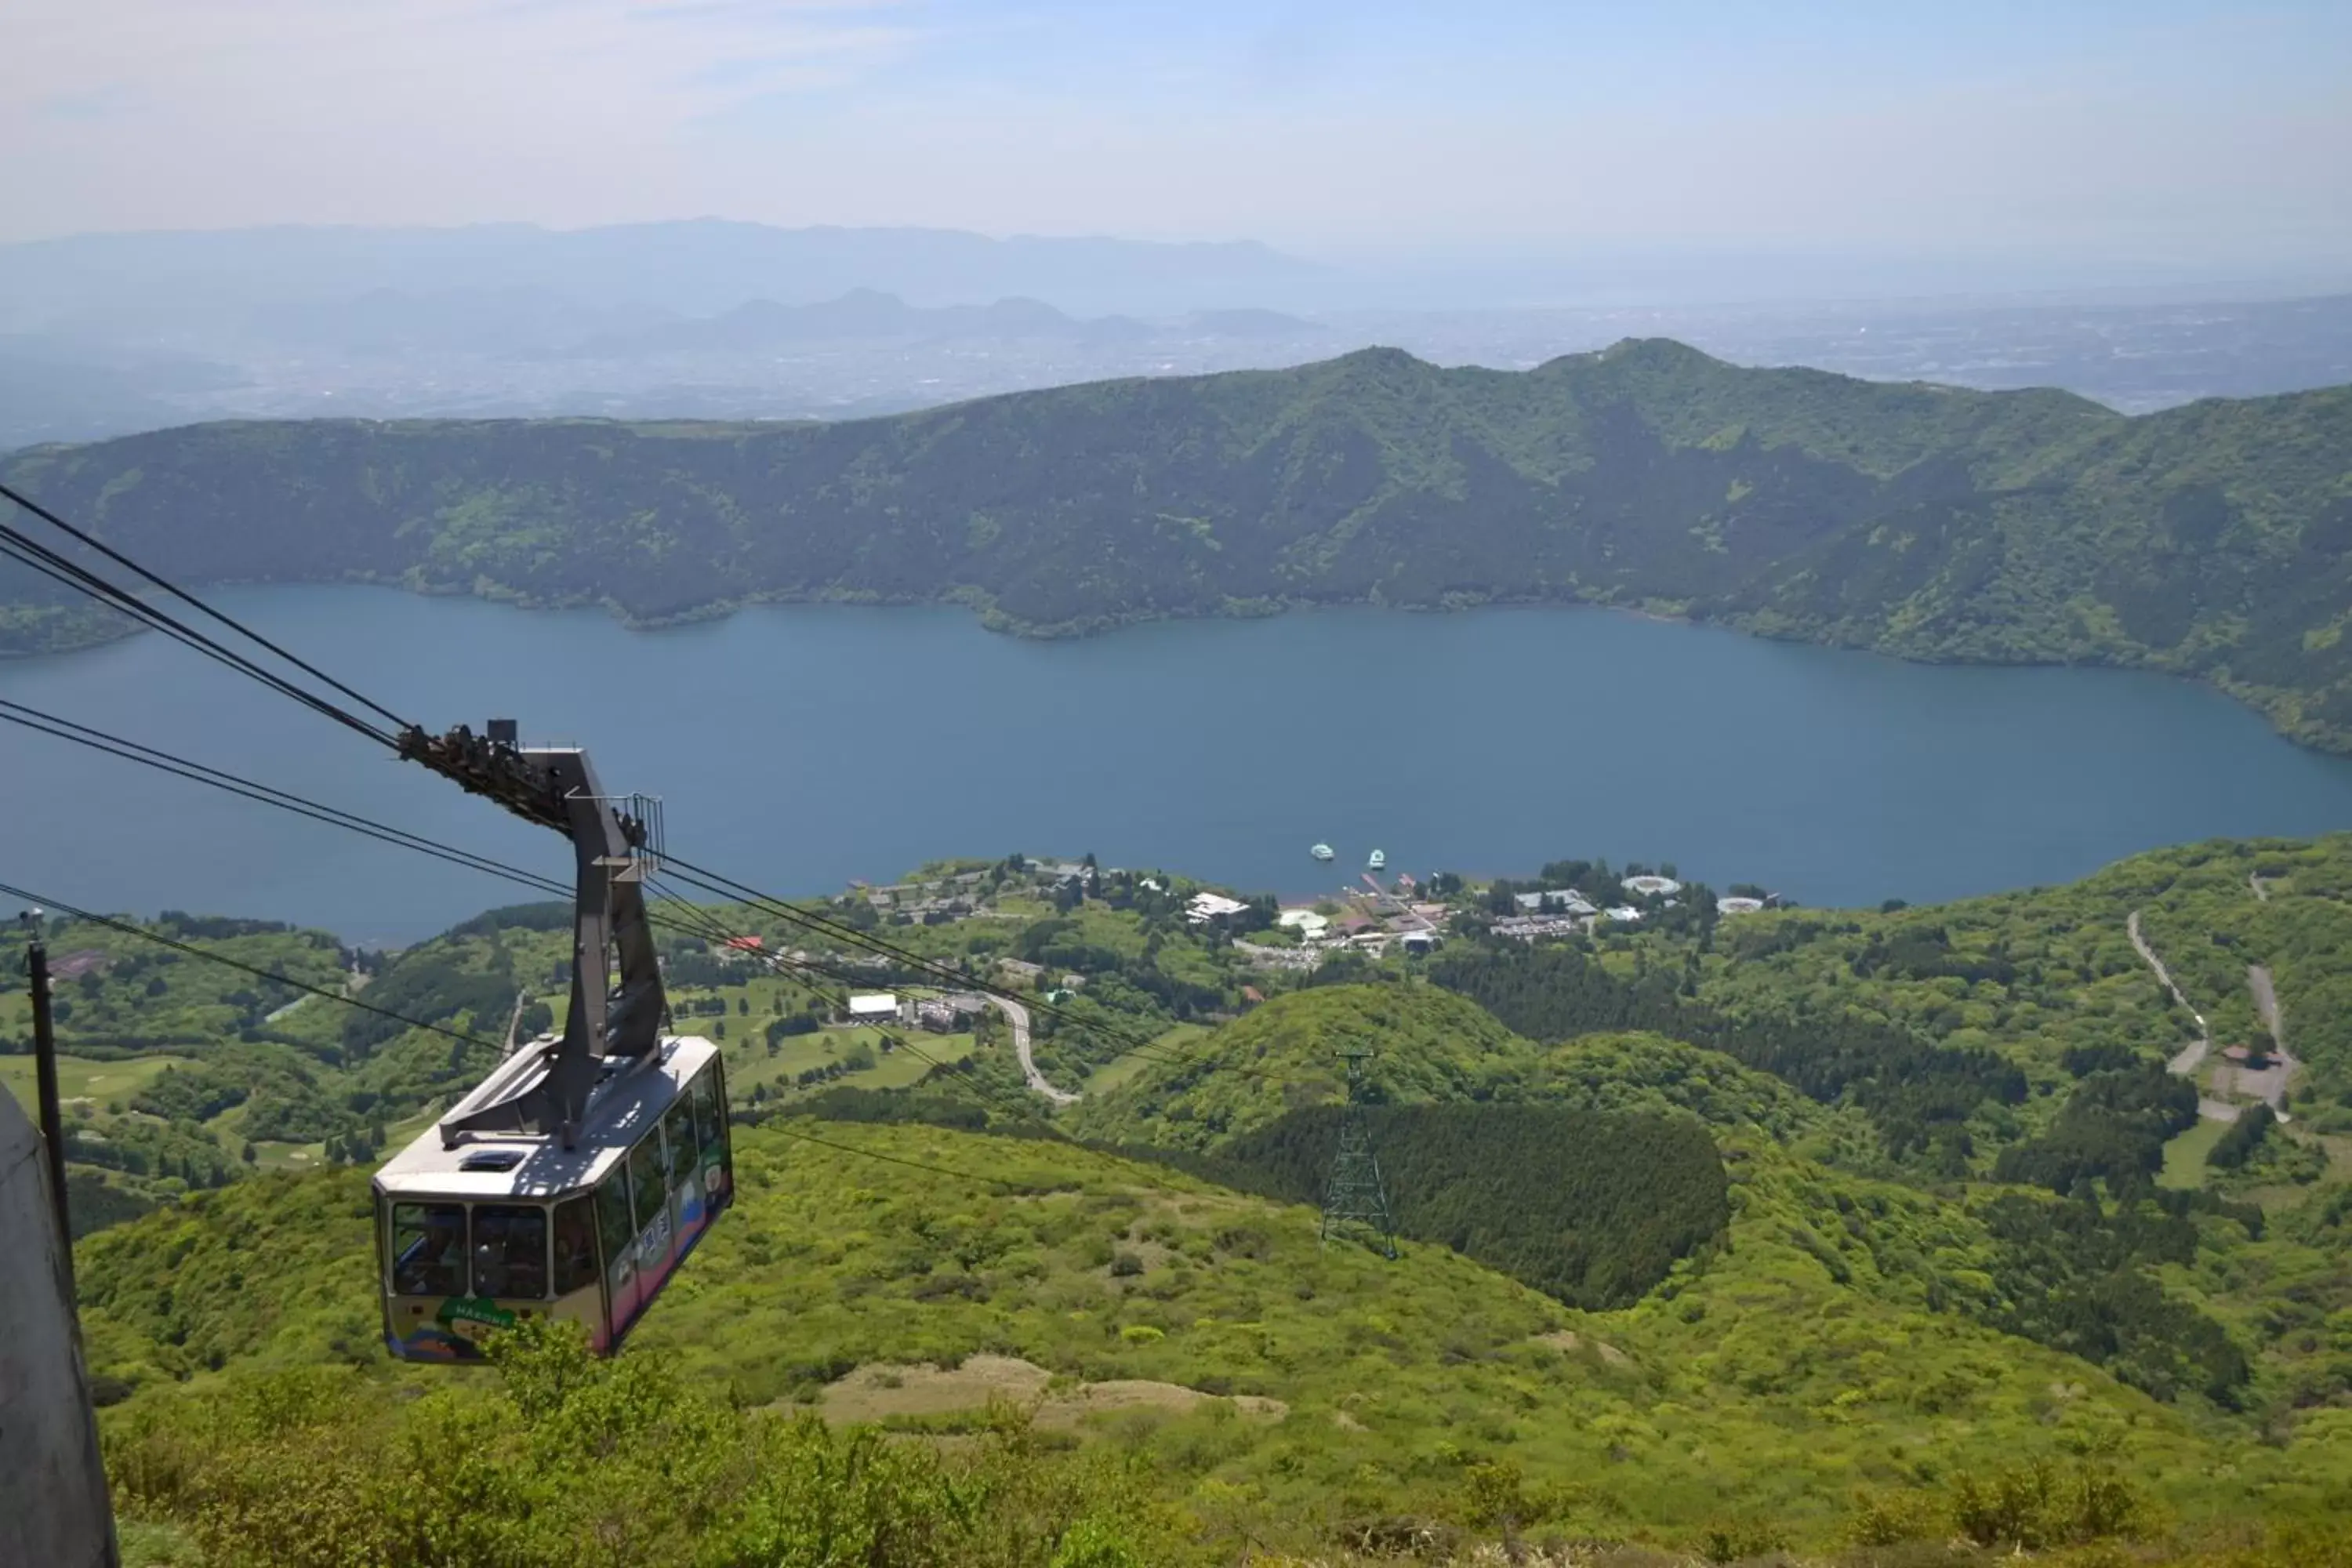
column 53, row 1502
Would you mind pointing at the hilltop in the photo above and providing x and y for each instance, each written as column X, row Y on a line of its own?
column 2214, row 539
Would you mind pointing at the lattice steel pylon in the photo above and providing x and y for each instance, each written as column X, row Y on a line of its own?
column 1355, row 1201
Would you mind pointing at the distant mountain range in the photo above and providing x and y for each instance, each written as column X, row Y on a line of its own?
column 532, row 323
column 2214, row 540
column 694, row 268
column 866, row 313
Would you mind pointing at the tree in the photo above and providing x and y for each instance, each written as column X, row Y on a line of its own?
column 252, row 1155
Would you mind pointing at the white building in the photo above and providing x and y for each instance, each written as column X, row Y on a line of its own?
column 1652, row 887
column 1207, row 907
column 1307, row 922
column 1527, row 928
column 874, row 1007
column 1737, row 906
column 1626, row 912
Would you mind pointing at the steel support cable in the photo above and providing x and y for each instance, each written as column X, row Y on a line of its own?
column 945, row 974
column 59, row 567
column 1133, row 1045
column 167, row 763
column 129, row 929
column 54, row 521
column 164, row 761
column 712, row 929
column 716, row 931
column 41, row 558
column 267, row 795
column 98, row 741
column 711, row 881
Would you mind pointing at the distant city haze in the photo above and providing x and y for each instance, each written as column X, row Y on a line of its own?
column 1489, row 147
column 785, row 209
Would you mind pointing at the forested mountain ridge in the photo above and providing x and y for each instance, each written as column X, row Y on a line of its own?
column 2214, row 540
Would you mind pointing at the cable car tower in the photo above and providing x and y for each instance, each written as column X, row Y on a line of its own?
column 1355, row 1201
column 616, row 844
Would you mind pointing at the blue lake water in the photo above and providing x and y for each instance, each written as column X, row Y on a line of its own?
column 798, row 747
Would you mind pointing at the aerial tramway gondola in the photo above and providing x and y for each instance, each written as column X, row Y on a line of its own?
column 573, row 1181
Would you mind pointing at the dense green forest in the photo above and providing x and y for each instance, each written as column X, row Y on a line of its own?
column 1920, row 1095
column 2214, row 540
column 1588, row 1207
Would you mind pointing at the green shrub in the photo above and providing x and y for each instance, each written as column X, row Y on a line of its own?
column 2034, row 1506
column 1891, row 1519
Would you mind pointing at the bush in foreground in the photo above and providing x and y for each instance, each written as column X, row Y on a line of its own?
column 569, row 1462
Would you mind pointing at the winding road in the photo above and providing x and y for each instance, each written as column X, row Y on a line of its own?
column 2268, row 1084
column 2192, row 1056
column 1018, row 1017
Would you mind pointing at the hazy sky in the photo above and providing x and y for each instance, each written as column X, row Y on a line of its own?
column 2155, row 130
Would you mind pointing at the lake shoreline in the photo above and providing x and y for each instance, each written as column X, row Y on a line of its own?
column 803, row 744
column 2279, row 708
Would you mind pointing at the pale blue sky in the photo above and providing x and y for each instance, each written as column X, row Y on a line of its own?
column 2196, row 135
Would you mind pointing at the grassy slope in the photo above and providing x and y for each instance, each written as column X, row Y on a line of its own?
column 1934, row 522
column 1760, row 1384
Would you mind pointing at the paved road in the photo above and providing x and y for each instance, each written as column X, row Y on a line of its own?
column 1018, row 1017
column 2192, row 1056
column 2270, row 1083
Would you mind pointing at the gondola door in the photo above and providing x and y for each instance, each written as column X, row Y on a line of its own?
column 617, row 1236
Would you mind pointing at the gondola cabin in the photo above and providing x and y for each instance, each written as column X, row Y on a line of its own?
column 501, row 1227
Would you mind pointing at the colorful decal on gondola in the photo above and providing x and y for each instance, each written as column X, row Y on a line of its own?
column 456, row 1329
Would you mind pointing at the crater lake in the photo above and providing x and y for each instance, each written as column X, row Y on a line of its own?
column 798, row 747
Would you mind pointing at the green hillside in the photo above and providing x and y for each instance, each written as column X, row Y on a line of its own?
column 2214, row 539
column 1710, row 1223
column 1427, row 1046
column 1224, row 1377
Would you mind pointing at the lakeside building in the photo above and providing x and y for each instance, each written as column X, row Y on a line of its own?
column 1738, row 906
column 1651, row 886
column 1527, row 928
column 1564, row 900
column 1206, row 907
column 1309, row 924
column 1264, row 957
